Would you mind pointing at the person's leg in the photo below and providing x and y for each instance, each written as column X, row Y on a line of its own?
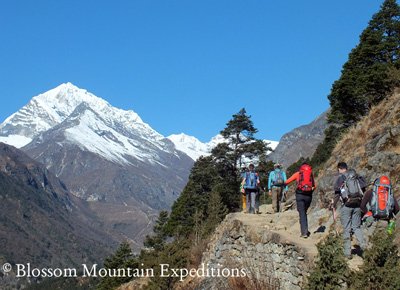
column 307, row 202
column 275, row 196
column 345, row 218
column 244, row 201
column 248, row 199
column 257, row 205
column 253, row 201
column 301, row 208
column 356, row 227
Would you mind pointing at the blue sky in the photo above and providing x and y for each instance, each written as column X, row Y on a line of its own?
column 183, row 66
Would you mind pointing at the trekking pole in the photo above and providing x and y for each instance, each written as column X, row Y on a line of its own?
column 334, row 220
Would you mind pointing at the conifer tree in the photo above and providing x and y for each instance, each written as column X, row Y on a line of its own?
column 331, row 268
column 194, row 197
column 381, row 267
column 239, row 132
column 367, row 75
column 370, row 75
column 157, row 241
column 216, row 212
column 122, row 258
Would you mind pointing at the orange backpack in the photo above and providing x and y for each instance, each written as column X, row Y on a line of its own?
column 305, row 182
column 382, row 201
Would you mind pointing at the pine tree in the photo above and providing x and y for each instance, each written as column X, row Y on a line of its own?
column 367, row 75
column 381, row 266
column 370, row 75
column 157, row 241
column 216, row 212
column 239, row 132
column 203, row 176
column 331, row 268
column 122, row 258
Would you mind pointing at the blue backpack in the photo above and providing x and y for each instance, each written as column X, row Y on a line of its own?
column 251, row 180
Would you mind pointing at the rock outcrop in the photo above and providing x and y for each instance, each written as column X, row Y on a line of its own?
column 300, row 142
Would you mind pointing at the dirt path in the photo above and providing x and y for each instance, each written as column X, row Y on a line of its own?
column 286, row 224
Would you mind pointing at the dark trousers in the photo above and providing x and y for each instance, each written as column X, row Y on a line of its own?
column 303, row 203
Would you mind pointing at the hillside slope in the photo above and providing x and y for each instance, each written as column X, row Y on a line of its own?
column 40, row 221
column 372, row 147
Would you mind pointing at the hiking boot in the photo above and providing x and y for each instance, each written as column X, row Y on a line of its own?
column 304, row 236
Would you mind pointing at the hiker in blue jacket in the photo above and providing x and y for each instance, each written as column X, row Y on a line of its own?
column 275, row 186
column 250, row 184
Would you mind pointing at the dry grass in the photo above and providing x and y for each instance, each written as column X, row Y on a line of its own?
column 379, row 121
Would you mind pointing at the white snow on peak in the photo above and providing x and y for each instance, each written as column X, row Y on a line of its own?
column 102, row 129
column 15, row 140
column 54, row 106
column 194, row 148
column 93, row 134
column 190, row 145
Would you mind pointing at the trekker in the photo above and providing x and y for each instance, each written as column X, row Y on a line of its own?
column 304, row 190
column 242, row 191
column 250, row 184
column 349, row 188
column 275, row 181
column 379, row 202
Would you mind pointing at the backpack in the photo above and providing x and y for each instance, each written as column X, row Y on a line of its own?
column 351, row 191
column 305, row 182
column 382, row 200
column 251, row 180
column 278, row 178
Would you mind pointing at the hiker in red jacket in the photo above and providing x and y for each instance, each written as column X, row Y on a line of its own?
column 304, row 190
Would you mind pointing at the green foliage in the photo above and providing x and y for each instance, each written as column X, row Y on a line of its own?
column 123, row 258
column 241, row 141
column 194, row 198
column 331, row 270
column 381, row 266
column 211, row 192
column 369, row 76
column 366, row 77
column 175, row 255
column 157, row 241
column 216, row 211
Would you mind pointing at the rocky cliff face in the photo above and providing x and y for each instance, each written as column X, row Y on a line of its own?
column 300, row 142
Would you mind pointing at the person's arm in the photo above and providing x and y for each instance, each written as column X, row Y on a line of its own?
column 338, row 183
column 292, row 178
column 270, row 180
column 396, row 206
column 284, row 179
column 366, row 199
column 336, row 187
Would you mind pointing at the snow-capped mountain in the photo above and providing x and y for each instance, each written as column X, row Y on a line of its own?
column 103, row 129
column 104, row 155
column 195, row 148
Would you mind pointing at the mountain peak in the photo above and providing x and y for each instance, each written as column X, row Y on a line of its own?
column 47, row 110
